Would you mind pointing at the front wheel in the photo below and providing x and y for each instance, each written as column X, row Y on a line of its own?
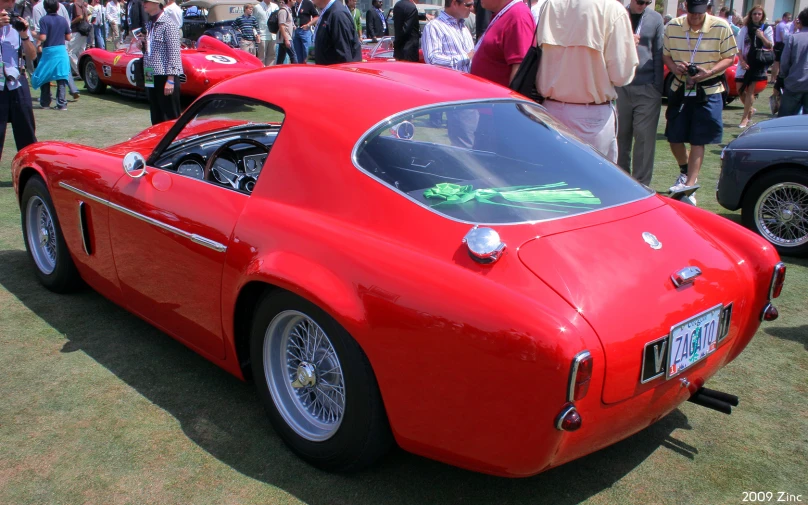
column 44, row 240
column 776, row 207
column 91, row 78
column 317, row 385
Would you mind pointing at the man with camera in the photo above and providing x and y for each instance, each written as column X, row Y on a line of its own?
column 15, row 97
column 697, row 49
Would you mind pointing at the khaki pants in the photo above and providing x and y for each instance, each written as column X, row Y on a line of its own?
column 594, row 124
column 248, row 45
column 265, row 51
column 114, row 33
column 638, row 110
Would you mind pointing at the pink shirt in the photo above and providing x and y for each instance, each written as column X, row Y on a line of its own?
column 505, row 43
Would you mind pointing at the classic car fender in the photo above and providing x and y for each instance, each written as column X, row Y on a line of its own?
column 754, row 256
column 426, row 323
column 79, row 180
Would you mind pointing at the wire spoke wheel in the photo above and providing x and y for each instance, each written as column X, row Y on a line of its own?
column 41, row 235
column 781, row 214
column 91, row 75
column 304, row 375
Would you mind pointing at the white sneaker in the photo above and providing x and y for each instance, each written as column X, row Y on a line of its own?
column 692, row 199
column 680, row 180
column 679, row 186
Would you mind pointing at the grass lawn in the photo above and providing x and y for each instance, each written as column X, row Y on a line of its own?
column 98, row 407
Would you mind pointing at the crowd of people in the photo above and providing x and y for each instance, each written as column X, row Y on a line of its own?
column 604, row 80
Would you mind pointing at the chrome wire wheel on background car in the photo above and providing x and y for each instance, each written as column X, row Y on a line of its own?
column 91, row 78
column 304, row 375
column 41, row 235
column 776, row 207
column 316, row 384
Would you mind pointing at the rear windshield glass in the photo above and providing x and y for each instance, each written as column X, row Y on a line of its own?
column 493, row 162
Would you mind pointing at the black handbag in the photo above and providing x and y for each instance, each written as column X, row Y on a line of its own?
column 524, row 81
column 762, row 55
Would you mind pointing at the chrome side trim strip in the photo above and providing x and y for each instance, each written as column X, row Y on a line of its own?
column 778, row 150
column 576, row 362
column 82, row 230
column 197, row 239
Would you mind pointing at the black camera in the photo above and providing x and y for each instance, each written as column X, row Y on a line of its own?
column 16, row 22
column 692, row 70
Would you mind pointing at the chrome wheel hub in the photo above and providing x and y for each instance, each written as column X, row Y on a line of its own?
column 781, row 214
column 304, row 375
column 41, row 235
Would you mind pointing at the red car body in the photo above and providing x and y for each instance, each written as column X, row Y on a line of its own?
column 732, row 86
column 473, row 361
column 209, row 63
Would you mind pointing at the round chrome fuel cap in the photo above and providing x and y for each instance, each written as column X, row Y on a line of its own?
column 484, row 245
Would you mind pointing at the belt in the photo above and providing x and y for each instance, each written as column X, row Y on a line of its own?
column 576, row 103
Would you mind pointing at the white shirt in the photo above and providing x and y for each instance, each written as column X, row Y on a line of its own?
column 261, row 13
column 114, row 12
column 175, row 13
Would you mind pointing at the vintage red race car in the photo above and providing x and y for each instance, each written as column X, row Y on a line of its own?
column 382, row 50
column 731, row 93
column 450, row 270
column 210, row 62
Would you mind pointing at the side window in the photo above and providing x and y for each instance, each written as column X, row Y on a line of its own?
column 227, row 143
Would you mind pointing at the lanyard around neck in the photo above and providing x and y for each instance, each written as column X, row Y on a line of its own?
column 696, row 49
column 499, row 14
column 639, row 25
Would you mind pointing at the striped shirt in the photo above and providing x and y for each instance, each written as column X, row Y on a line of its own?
column 683, row 46
column 446, row 42
column 247, row 26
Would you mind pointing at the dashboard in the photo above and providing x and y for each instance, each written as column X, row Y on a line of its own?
column 237, row 166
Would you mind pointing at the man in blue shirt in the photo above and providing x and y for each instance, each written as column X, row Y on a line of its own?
column 15, row 94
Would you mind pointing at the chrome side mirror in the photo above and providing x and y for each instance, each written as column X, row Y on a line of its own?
column 134, row 164
column 403, row 130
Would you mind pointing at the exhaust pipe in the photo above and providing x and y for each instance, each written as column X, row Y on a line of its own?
column 716, row 400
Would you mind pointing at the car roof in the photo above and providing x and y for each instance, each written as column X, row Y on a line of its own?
column 360, row 94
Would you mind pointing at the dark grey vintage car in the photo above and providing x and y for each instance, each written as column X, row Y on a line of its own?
column 764, row 172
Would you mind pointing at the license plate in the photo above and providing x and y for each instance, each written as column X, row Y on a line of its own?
column 693, row 340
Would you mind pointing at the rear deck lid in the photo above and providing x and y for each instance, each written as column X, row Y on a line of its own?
column 618, row 276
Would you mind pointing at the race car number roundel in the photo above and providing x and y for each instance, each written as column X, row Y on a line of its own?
column 130, row 72
column 220, row 58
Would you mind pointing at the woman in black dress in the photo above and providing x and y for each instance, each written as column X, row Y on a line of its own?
column 754, row 35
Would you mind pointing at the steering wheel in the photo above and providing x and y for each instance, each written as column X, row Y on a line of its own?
column 238, row 180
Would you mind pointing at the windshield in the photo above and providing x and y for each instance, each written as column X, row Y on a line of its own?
column 493, row 162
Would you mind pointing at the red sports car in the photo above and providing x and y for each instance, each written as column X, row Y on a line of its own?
column 485, row 290
column 382, row 50
column 731, row 93
column 210, row 62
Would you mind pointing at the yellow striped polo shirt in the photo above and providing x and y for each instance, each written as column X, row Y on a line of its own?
column 717, row 43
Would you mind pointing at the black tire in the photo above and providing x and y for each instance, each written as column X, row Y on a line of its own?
column 61, row 276
column 92, row 81
column 363, row 435
column 774, row 204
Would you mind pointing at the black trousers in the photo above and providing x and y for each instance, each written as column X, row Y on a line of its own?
column 162, row 107
column 16, row 108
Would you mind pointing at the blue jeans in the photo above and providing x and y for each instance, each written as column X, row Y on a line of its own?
column 791, row 103
column 45, row 94
column 301, row 42
column 100, row 37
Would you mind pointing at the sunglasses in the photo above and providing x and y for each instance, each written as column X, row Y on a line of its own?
column 643, row 3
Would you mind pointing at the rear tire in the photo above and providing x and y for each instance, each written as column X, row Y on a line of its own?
column 91, row 78
column 317, row 385
column 776, row 207
column 44, row 240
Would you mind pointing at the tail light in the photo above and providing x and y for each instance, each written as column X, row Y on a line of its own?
column 580, row 375
column 569, row 419
column 778, row 277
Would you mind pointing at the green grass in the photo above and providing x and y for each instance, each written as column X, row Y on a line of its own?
column 98, row 407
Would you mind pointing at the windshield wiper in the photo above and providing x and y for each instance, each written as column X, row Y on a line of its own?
column 251, row 126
